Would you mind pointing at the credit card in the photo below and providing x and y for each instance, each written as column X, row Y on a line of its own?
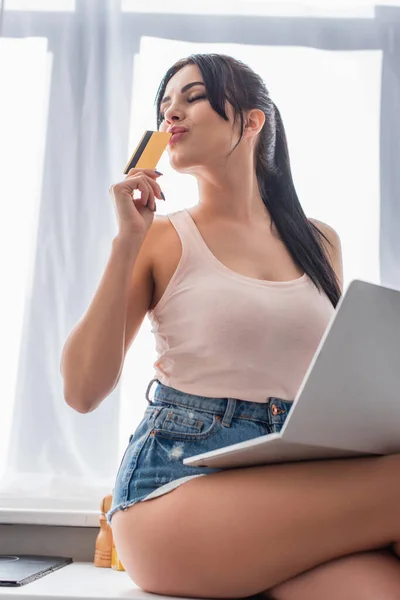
column 148, row 151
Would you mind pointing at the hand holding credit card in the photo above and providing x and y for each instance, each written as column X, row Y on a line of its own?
column 135, row 215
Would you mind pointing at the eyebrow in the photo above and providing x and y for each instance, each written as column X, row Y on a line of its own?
column 183, row 90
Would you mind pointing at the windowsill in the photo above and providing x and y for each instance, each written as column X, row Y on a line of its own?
column 49, row 516
column 79, row 581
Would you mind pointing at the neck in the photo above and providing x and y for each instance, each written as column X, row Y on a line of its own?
column 231, row 192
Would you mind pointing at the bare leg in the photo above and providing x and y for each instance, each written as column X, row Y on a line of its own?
column 239, row 532
column 364, row 576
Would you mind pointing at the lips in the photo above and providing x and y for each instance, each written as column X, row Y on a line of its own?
column 176, row 137
column 177, row 129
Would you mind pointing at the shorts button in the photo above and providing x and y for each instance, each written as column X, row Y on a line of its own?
column 276, row 410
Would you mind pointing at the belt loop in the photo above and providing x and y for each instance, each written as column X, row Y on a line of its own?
column 229, row 412
column 148, row 390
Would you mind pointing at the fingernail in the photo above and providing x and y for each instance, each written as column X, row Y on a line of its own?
column 158, row 172
column 162, row 196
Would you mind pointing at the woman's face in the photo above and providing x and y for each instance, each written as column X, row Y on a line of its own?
column 209, row 138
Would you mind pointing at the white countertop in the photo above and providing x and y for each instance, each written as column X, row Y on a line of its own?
column 81, row 581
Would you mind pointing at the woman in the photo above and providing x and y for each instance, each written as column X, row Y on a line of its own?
column 239, row 289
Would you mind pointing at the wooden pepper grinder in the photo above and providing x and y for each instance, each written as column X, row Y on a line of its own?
column 104, row 540
column 105, row 553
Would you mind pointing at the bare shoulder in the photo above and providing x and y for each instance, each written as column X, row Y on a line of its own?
column 161, row 229
column 333, row 247
column 156, row 235
column 160, row 224
column 326, row 229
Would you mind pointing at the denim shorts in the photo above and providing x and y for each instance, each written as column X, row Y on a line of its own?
column 177, row 425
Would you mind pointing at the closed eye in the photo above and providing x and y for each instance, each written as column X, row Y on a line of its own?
column 190, row 100
column 196, row 98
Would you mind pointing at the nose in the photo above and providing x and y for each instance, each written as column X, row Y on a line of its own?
column 172, row 115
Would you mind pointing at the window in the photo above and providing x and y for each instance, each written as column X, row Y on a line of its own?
column 70, row 116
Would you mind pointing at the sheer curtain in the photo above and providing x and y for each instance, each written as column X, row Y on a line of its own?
column 78, row 87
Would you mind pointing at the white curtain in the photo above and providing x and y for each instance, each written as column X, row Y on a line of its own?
column 58, row 220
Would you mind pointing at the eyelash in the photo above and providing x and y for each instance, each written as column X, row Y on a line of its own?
column 189, row 100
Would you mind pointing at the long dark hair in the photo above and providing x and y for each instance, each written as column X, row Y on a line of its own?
column 228, row 79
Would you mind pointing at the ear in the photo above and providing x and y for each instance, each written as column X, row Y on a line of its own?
column 254, row 121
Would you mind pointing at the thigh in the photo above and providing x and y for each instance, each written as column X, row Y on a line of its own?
column 235, row 533
column 363, row 576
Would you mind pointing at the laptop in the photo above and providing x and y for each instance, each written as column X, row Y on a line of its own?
column 17, row 570
column 348, row 404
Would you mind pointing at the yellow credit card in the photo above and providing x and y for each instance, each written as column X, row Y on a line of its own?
column 148, row 151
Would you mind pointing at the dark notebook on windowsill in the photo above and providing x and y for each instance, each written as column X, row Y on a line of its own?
column 20, row 569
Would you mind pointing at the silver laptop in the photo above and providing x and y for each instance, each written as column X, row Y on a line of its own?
column 349, row 401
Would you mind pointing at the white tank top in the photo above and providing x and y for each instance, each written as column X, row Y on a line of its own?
column 222, row 334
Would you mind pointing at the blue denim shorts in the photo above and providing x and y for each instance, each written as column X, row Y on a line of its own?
column 177, row 425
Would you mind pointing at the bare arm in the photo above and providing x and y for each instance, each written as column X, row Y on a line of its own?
column 94, row 352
